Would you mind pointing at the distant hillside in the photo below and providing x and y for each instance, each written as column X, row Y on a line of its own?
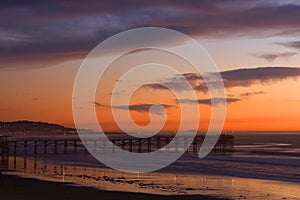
column 27, row 127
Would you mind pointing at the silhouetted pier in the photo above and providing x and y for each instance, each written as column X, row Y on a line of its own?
column 4, row 147
column 9, row 146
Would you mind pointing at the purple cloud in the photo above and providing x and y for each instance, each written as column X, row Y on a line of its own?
column 236, row 78
column 55, row 31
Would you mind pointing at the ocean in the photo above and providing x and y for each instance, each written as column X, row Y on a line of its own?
column 263, row 166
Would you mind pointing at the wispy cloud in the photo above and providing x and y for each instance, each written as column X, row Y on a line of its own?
column 99, row 104
column 216, row 100
column 249, row 76
column 248, row 94
column 273, row 56
column 293, row 44
column 234, row 78
column 141, row 108
column 155, row 86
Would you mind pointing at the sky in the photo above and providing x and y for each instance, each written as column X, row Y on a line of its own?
column 254, row 44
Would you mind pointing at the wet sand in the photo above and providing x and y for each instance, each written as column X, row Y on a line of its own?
column 163, row 184
column 15, row 187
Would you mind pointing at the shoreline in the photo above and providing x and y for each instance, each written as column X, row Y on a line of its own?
column 159, row 184
column 16, row 187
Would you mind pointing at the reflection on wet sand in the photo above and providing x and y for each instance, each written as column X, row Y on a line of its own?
column 156, row 183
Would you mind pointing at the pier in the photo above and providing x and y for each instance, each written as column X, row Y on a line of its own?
column 9, row 146
column 4, row 151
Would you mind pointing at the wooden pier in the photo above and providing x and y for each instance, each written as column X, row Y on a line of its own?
column 8, row 146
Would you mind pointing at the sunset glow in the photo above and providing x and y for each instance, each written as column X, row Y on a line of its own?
column 258, row 61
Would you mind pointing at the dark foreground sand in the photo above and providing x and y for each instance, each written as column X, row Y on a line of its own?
column 14, row 187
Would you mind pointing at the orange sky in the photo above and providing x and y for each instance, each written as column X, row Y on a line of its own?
column 40, row 56
column 46, row 95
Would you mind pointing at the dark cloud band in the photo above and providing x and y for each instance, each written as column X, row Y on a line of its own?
column 58, row 28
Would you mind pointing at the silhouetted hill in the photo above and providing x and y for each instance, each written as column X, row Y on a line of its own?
column 29, row 127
